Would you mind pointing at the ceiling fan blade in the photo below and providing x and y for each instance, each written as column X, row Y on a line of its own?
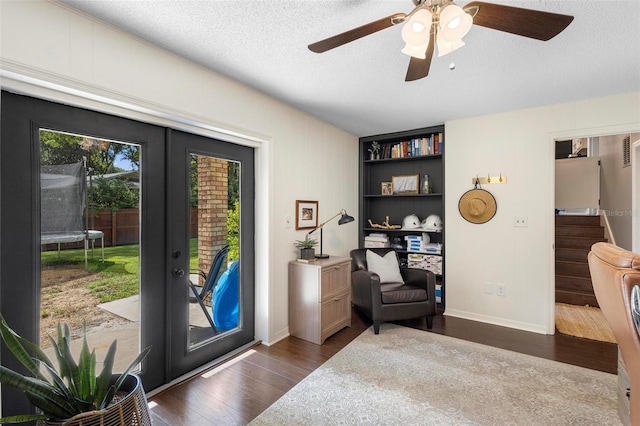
column 515, row 20
column 356, row 33
column 419, row 68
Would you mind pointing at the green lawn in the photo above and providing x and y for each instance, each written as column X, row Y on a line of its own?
column 121, row 268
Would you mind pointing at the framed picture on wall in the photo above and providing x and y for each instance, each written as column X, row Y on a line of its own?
column 306, row 214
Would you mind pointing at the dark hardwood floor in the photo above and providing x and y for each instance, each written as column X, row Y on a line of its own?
column 236, row 392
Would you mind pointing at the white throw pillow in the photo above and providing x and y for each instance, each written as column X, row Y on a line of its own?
column 386, row 267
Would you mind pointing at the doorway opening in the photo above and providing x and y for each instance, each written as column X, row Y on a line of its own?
column 593, row 202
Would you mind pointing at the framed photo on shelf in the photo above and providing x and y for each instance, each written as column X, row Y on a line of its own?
column 306, row 214
column 405, row 184
column 387, row 188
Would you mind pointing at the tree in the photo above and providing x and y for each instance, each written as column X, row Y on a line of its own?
column 234, row 184
column 63, row 148
column 114, row 194
column 233, row 231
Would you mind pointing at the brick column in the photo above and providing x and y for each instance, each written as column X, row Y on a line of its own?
column 212, row 208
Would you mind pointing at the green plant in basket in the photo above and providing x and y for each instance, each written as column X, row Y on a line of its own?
column 71, row 389
column 307, row 243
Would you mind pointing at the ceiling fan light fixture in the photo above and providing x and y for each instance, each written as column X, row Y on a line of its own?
column 448, row 23
column 417, row 30
column 446, row 46
column 455, row 23
column 418, row 52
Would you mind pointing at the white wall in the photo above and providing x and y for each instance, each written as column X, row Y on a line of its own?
column 577, row 184
column 53, row 52
column 616, row 188
column 520, row 145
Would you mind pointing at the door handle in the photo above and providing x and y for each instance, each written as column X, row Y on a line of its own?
column 178, row 272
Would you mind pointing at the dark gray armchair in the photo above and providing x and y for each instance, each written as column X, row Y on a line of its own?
column 391, row 301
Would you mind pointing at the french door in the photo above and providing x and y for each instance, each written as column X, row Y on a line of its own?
column 164, row 174
column 216, row 180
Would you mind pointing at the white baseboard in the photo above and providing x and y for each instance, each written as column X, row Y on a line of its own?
column 535, row 328
column 277, row 337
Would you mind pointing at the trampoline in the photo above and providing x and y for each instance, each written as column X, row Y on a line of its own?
column 63, row 203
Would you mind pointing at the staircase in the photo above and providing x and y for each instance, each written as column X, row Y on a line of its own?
column 574, row 237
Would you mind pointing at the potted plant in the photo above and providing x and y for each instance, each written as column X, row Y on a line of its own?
column 73, row 393
column 306, row 246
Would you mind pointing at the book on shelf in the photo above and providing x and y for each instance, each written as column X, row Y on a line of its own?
column 415, row 147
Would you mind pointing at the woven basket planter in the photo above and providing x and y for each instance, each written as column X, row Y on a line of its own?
column 130, row 410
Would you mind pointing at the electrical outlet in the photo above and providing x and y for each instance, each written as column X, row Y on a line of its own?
column 520, row 221
column 287, row 221
column 501, row 290
column 488, row 288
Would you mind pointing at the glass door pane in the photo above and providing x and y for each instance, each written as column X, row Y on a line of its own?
column 214, row 261
column 90, row 242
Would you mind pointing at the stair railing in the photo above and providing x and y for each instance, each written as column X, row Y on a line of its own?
column 607, row 226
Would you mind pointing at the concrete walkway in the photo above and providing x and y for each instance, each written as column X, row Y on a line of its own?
column 126, row 330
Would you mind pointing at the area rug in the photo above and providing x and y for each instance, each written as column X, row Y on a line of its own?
column 405, row 376
column 583, row 321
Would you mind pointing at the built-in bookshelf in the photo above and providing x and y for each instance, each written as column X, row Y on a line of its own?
column 401, row 175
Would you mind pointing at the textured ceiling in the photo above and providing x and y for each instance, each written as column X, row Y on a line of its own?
column 360, row 86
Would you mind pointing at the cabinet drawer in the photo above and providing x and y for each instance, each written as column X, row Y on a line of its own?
column 336, row 279
column 335, row 314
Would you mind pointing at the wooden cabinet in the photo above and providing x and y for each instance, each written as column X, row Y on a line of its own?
column 414, row 154
column 319, row 298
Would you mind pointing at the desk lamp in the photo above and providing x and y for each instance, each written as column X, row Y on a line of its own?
column 344, row 219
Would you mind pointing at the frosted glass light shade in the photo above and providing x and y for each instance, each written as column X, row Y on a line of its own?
column 455, row 23
column 416, row 51
column 417, row 30
column 446, row 46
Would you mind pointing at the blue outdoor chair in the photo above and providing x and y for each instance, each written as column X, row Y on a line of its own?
column 224, row 301
column 210, row 280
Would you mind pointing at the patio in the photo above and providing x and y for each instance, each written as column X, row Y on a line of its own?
column 126, row 330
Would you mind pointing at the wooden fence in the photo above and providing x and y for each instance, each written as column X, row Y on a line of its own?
column 120, row 227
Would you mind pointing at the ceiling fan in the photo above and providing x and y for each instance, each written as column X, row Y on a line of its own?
column 444, row 23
